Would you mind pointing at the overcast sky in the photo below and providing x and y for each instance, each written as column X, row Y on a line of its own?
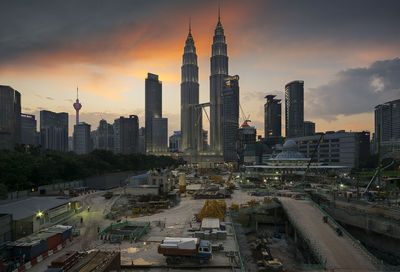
column 347, row 52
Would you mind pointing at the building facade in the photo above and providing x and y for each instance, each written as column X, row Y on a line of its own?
column 54, row 130
column 387, row 127
column 126, row 135
column 103, row 136
column 246, row 136
column 230, row 117
column 81, row 138
column 219, row 71
column 336, row 148
column 309, row 128
column 272, row 117
column 142, row 137
column 10, row 117
column 175, row 141
column 153, row 107
column 294, row 109
column 159, row 135
column 29, row 135
column 191, row 117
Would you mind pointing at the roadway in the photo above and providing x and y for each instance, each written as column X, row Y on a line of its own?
column 338, row 252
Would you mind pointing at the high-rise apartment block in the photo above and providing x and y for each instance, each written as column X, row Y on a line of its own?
column 153, row 107
column 294, row 109
column 29, row 135
column 230, row 117
column 10, row 117
column 81, row 138
column 126, row 135
column 272, row 117
column 54, row 130
column 191, row 115
column 219, row 71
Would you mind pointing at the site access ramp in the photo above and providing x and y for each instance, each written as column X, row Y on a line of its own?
column 339, row 253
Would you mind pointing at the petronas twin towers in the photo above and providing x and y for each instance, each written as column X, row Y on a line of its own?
column 191, row 110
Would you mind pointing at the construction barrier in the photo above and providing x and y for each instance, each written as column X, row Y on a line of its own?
column 42, row 257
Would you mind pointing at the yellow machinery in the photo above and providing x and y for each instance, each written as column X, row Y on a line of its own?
column 234, row 207
column 216, row 178
column 253, row 203
column 214, row 209
column 228, row 182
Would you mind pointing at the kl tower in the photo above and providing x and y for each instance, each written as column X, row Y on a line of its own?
column 77, row 106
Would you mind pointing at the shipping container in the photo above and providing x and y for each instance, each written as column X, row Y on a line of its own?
column 53, row 240
column 64, row 260
column 66, row 231
column 29, row 250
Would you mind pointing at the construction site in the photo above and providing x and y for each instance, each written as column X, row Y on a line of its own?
column 221, row 220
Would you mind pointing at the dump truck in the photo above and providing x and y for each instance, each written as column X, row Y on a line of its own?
column 178, row 249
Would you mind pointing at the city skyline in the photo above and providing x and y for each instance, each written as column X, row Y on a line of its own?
column 341, row 86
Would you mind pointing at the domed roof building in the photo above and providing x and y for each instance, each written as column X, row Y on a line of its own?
column 289, row 165
column 290, row 152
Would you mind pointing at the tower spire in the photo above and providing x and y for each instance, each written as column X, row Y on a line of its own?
column 77, row 92
column 219, row 13
column 190, row 25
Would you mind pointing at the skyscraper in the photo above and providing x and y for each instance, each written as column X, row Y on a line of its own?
column 294, row 109
column 81, row 138
column 309, row 128
column 54, row 130
column 272, row 117
column 219, row 70
column 10, row 117
column 387, row 126
column 29, row 135
column 175, row 141
column 191, row 118
column 387, row 120
column 159, row 135
column 142, row 137
column 230, row 117
column 126, row 135
column 153, row 106
column 103, row 137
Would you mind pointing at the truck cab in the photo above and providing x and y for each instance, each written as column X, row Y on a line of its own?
column 205, row 251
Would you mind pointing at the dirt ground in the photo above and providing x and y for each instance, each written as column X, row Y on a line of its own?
column 167, row 223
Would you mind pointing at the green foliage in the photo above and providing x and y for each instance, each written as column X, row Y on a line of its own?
column 22, row 170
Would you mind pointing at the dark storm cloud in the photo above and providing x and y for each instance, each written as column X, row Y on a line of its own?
column 325, row 20
column 29, row 27
column 42, row 26
column 355, row 91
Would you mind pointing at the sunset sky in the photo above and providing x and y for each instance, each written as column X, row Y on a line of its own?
column 347, row 52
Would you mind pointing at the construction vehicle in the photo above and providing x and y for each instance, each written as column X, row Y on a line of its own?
column 178, row 249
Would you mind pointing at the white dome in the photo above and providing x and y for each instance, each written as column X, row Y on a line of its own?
column 290, row 145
